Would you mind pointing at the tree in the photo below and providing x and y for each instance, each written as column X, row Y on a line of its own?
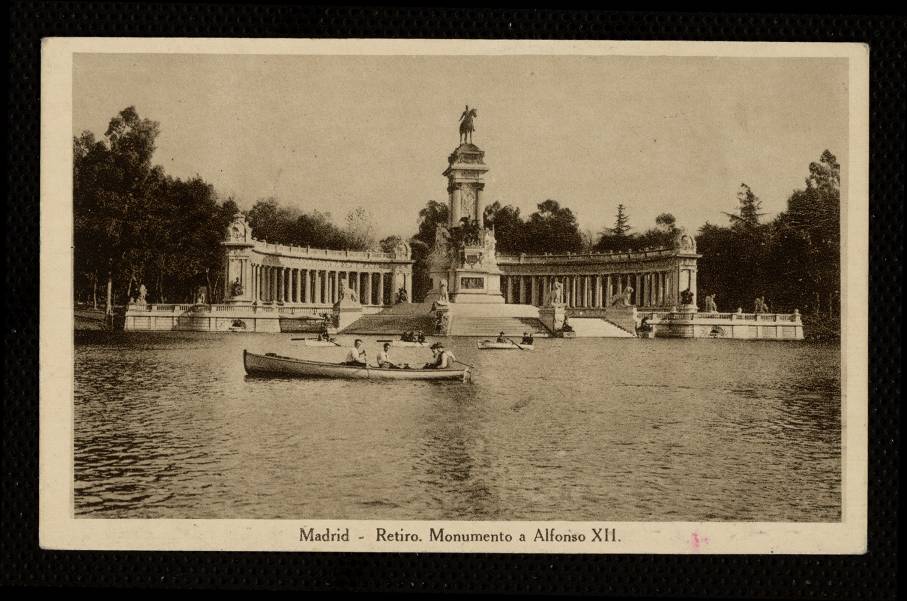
column 552, row 228
column 748, row 209
column 621, row 222
column 358, row 230
column 389, row 244
column 432, row 215
column 110, row 180
column 508, row 225
column 133, row 224
column 666, row 222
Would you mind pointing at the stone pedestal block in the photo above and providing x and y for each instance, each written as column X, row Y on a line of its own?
column 623, row 316
column 553, row 316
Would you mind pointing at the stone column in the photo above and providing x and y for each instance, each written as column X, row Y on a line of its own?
column 316, row 286
column 368, row 288
column 574, row 290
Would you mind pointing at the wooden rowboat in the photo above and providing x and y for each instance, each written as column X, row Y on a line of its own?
column 275, row 365
column 315, row 342
column 406, row 343
column 487, row 345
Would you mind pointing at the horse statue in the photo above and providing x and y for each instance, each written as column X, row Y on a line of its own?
column 466, row 124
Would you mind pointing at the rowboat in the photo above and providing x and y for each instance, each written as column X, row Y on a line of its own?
column 316, row 342
column 406, row 343
column 486, row 345
column 272, row 364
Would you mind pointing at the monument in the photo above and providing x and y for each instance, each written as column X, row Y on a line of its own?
column 462, row 265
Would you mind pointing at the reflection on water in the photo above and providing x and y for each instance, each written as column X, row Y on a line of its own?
column 168, row 425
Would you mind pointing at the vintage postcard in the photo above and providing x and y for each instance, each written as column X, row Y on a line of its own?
column 454, row 296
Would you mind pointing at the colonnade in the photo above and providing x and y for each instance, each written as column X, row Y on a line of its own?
column 650, row 288
column 291, row 285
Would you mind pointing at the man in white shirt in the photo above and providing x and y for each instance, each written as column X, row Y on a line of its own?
column 356, row 355
column 384, row 359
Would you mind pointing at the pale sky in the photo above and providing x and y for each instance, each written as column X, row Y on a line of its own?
column 658, row 134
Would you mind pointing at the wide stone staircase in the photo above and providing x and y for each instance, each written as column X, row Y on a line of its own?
column 394, row 320
column 595, row 327
column 471, row 325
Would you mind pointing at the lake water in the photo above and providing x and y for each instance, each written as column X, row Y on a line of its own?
column 168, row 425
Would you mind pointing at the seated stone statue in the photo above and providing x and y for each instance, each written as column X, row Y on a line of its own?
column 686, row 297
column 347, row 294
column 624, row 300
column 236, row 288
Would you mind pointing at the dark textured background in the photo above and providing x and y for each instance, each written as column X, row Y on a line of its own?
column 860, row 577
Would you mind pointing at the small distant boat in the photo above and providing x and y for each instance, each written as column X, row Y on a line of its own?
column 316, row 342
column 487, row 345
column 271, row 364
column 406, row 343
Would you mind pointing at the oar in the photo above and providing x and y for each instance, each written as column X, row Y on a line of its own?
column 466, row 364
column 515, row 344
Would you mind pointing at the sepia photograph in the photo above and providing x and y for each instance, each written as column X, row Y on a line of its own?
column 352, row 295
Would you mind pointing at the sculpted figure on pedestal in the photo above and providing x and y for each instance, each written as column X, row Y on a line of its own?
column 347, row 294
column 143, row 294
column 710, row 306
column 686, row 297
column 443, row 298
column 467, row 126
column 624, row 299
column 236, row 288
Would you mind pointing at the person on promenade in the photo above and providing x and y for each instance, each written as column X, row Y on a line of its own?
column 384, row 359
column 443, row 359
column 356, row 355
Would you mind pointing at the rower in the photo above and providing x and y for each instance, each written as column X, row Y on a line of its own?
column 527, row 338
column 501, row 337
column 420, row 337
column 356, row 355
column 443, row 358
column 384, row 359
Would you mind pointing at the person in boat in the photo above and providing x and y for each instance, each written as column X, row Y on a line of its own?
column 443, row 358
column 420, row 337
column 527, row 338
column 501, row 337
column 566, row 327
column 356, row 355
column 406, row 336
column 384, row 357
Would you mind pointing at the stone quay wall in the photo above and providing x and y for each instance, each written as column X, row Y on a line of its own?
column 750, row 326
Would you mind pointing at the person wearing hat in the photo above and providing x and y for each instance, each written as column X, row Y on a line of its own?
column 443, row 358
column 501, row 337
column 527, row 338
